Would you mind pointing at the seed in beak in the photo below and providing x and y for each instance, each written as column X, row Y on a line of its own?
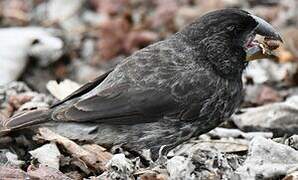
column 271, row 44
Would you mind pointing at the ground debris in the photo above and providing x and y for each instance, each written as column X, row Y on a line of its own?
column 257, row 95
column 12, row 159
column 20, row 39
column 179, row 167
column 153, row 175
column 204, row 165
column 17, row 96
column 279, row 117
column 119, row 167
column 292, row 141
column 236, row 133
column 222, row 145
column 268, row 159
column 47, row 155
column 63, row 89
column 12, row 173
column 291, row 176
column 44, row 172
column 95, row 161
column 268, row 71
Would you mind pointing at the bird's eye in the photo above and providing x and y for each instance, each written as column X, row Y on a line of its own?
column 231, row 28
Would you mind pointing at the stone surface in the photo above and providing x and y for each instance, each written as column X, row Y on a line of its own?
column 268, row 159
column 280, row 118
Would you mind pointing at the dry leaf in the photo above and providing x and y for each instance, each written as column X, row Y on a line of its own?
column 92, row 160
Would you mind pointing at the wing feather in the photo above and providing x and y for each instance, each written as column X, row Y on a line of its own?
column 130, row 105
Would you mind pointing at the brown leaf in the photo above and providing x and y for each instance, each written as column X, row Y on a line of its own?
column 117, row 35
column 137, row 39
column 12, row 173
column 269, row 13
column 110, row 6
column 165, row 13
column 153, row 176
column 43, row 172
column 6, row 111
column 103, row 156
column 96, row 161
column 268, row 95
column 19, row 99
column 284, row 55
column 289, row 51
column 75, row 175
column 291, row 176
column 113, row 32
column 16, row 11
column 260, row 95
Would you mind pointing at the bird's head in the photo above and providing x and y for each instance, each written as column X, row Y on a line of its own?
column 242, row 28
column 235, row 29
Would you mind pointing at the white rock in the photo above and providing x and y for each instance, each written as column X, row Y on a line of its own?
column 48, row 155
column 17, row 43
column 180, row 167
column 60, row 10
column 235, row 133
column 63, row 89
column 13, row 159
column 268, row 159
column 269, row 71
column 280, row 117
column 119, row 167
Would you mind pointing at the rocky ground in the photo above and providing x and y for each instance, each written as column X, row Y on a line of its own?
column 44, row 42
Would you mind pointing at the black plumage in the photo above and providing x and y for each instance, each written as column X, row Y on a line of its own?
column 167, row 92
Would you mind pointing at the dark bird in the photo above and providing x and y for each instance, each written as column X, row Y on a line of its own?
column 168, row 92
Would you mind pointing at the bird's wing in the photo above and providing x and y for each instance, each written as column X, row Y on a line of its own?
column 123, row 104
column 25, row 119
column 84, row 89
column 137, row 90
column 118, row 105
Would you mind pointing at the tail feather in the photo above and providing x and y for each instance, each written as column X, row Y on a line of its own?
column 27, row 119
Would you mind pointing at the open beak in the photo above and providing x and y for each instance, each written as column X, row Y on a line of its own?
column 271, row 41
